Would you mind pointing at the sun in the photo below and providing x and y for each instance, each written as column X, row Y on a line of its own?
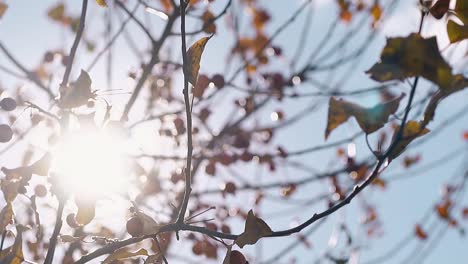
column 91, row 163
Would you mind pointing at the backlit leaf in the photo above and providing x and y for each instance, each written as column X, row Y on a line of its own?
column 57, row 13
column 154, row 259
column 255, row 228
column 411, row 56
column 412, row 130
column 194, row 54
column 86, row 211
column 77, row 94
column 369, row 119
column 461, row 9
column 124, row 253
column 150, row 226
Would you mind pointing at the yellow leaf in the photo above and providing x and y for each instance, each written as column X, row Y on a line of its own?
column 86, row 211
column 194, row 54
column 412, row 130
column 3, row 8
column 101, row 3
column 411, row 56
column 77, row 94
column 255, row 228
column 456, row 32
column 6, row 216
column 124, row 253
column 14, row 254
column 369, row 119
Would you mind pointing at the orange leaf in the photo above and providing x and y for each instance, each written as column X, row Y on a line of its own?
column 3, row 8
column 413, row 130
column 420, row 233
column 101, row 3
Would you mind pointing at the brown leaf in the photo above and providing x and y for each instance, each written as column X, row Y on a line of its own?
column 369, row 119
column 411, row 56
column 412, row 130
column 439, row 9
column 6, row 216
column 14, row 254
column 255, row 228
column 77, row 94
column 124, row 253
column 3, row 8
column 194, row 54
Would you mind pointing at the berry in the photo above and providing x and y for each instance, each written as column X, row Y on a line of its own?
column 218, row 81
column 237, row 257
column 8, row 104
column 5, row 133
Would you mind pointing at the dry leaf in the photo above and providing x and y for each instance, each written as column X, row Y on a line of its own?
column 150, row 226
column 255, row 228
column 57, row 13
column 14, row 254
column 77, row 94
column 101, row 3
column 420, row 233
column 154, row 259
column 439, row 9
column 124, row 253
column 412, row 130
column 86, row 212
column 369, row 119
column 6, row 216
column 194, row 54
column 411, row 56
column 3, row 8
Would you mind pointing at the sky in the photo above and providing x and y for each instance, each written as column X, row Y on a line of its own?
column 27, row 32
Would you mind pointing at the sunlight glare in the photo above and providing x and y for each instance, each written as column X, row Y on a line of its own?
column 91, row 163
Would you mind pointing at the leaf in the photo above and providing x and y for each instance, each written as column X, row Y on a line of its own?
column 194, row 54
column 369, row 119
column 86, row 212
column 150, row 226
column 461, row 10
column 42, row 166
column 412, row 130
column 439, row 9
column 411, row 56
column 227, row 258
column 124, row 253
column 57, row 13
column 6, row 216
column 14, row 254
column 157, row 258
column 10, row 189
column 255, row 228
column 420, row 233
column 101, row 3
column 3, row 9
column 456, row 32
column 77, row 94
